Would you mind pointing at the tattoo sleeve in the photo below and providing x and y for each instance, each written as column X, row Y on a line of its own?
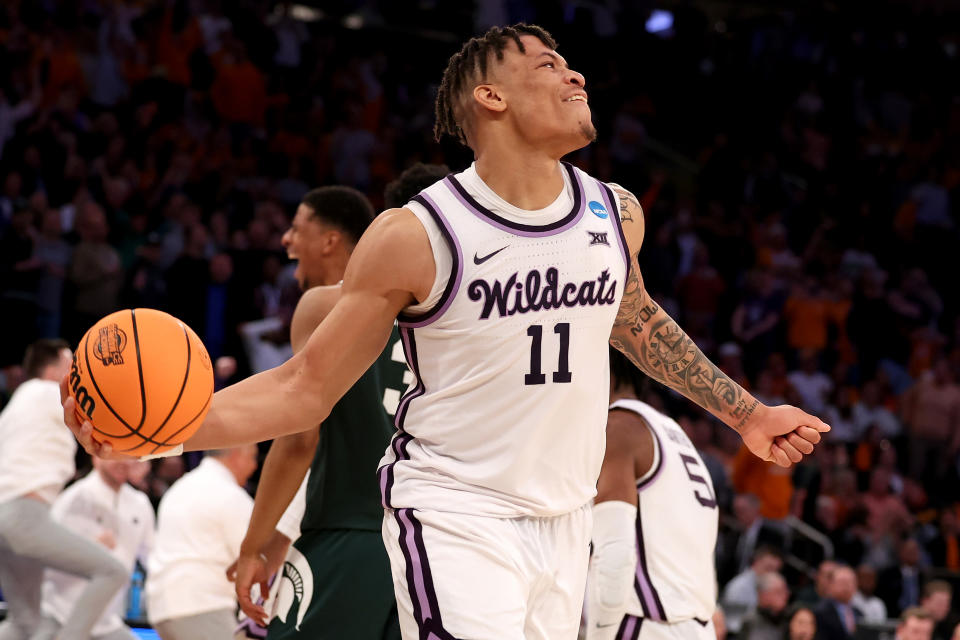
column 657, row 345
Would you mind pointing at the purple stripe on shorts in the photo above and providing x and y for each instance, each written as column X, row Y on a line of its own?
column 525, row 230
column 426, row 609
column 649, row 597
column 415, row 575
column 456, row 274
column 629, row 628
column 617, row 226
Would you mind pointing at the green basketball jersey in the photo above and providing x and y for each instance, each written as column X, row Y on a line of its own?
column 342, row 492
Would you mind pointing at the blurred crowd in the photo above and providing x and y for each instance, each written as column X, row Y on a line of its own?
column 799, row 171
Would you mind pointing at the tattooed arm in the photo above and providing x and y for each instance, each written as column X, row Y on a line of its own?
column 657, row 345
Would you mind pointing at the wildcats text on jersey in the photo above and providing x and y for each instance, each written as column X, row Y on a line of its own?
column 528, row 296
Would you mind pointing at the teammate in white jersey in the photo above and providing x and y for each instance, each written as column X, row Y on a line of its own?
column 655, row 523
column 487, row 484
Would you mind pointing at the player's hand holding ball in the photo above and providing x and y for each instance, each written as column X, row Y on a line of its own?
column 141, row 384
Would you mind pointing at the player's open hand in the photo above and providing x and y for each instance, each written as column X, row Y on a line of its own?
column 84, row 432
column 782, row 434
column 249, row 569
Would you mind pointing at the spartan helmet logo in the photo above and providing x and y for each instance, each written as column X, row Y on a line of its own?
column 295, row 585
column 110, row 344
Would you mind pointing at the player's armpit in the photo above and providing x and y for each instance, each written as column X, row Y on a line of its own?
column 391, row 267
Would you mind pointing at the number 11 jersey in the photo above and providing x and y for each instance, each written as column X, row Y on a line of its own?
column 505, row 416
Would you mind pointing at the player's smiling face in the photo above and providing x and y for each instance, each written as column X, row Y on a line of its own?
column 546, row 98
column 304, row 243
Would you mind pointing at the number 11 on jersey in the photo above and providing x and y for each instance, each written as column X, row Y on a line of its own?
column 562, row 374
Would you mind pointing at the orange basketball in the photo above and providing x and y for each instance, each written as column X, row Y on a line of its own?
column 143, row 379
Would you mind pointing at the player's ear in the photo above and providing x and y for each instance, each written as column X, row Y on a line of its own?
column 489, row 97
column 331, row 239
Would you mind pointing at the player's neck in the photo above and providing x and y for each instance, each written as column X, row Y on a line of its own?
column 622, row 394
column 527, row 179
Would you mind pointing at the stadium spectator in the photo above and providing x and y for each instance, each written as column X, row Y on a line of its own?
column 836, row 616
column 802, row 624
column 936, row 601
column 768, row 621
column 200, row 523
column 915, row 624
column 900, row 585
column 104, row 508
column 739, row 598
column 36, row 460
column 871, row 608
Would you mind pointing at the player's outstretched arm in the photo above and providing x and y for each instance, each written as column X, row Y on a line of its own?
column 654, row 342
column 391, row 268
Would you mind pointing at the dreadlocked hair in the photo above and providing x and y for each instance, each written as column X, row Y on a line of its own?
column 471, row 62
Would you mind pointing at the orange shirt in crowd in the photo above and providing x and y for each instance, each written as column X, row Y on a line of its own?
column 239, row 93
column 174, row 49
column 806, row 322
column 63, row 72
column 773, row 485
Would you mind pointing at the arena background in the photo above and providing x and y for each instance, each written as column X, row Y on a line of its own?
column 798, row 163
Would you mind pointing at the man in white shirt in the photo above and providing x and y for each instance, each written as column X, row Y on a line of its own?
column 864, row 600
column 812, row 385
column 101, row 507
column 36, row 460
column 200, row 524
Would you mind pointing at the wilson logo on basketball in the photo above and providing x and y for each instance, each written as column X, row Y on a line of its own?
column 111, row 341
column 84, row 402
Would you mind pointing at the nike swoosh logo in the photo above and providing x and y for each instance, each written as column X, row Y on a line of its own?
column 479, row 260
column 604, row 626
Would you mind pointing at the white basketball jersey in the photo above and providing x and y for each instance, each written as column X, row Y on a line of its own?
column 506, row 414
column 676, row 527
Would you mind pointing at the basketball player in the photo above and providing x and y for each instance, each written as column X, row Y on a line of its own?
column 508, row 280
column 655, row 522
column 339, row 557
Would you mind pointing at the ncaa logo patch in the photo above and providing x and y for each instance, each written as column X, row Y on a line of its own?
column 598, row 209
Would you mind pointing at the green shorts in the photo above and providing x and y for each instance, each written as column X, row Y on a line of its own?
column 342, row 578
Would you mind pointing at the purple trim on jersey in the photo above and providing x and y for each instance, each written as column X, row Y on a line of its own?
column 617, row 225
column 629, row 628
column 650, row 479
column 402, row 440
column 456, row 272
column 426, row 609
column 410, row 350
column 649, row 598
column 399, row 446
column 525, row 230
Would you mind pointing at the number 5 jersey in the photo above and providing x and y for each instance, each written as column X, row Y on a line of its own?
column 505, row 416
column 676, row 528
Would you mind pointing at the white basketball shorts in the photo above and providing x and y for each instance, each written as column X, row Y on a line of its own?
column 634, row 628
column 482, row 578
